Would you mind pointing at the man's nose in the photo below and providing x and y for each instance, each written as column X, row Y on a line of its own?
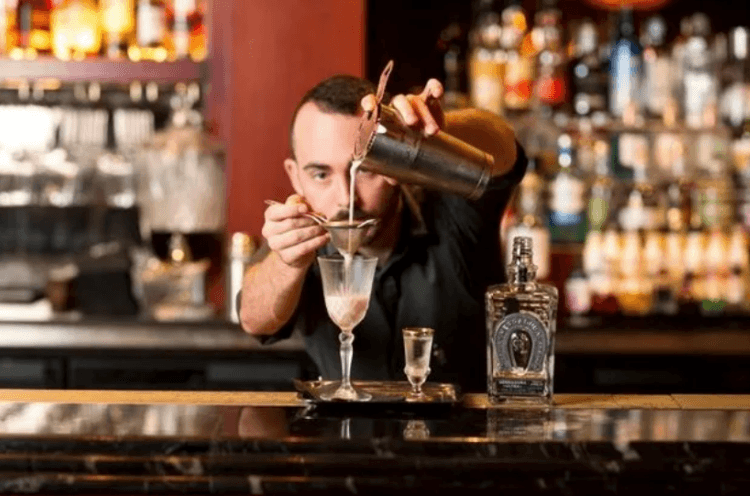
column 342, row 191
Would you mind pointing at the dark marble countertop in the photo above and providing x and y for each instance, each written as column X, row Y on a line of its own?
column 224, row 443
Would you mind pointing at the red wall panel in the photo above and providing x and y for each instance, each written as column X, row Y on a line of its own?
column 279, row 49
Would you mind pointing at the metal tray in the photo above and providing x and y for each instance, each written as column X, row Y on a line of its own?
column 383, row 392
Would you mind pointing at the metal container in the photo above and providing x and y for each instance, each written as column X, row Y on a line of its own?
column 387, row 146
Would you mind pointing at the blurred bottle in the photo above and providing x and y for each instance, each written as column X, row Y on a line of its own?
column 486, row 59
column 635, row 290
column 520, row 60
column 151, row 31
column 241, row 249
column 657, row 68
column 588, row 74
column 449, row 44
column 678, row 55
column 3, row 29
column 529, row 220
column 10, row 38
column 567, row 204
column 75, row 30
column 736, row 288
column 117, row 19
column 624, row 66
column 700, row 84
column 551, row 86
column 33, row 28
column 179, row 14
column 735, row 81
column 602, row 194
column 716, row 268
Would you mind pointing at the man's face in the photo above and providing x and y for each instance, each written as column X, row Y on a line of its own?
column 323, row 144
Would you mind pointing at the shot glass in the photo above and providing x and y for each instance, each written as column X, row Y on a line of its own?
column 417, row 349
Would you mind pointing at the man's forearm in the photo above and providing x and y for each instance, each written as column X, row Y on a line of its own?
column 487, row 132
column 270, row 293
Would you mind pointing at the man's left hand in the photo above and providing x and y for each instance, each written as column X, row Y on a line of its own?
column 422, row 111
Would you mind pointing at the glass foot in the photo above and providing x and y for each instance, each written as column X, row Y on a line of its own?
column 343, row 393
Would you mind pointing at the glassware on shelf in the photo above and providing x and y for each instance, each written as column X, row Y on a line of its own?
column 347, row 285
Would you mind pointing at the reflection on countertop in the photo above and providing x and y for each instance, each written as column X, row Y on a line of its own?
column 191, row 447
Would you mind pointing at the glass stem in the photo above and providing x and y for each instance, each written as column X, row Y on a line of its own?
column 346, row 339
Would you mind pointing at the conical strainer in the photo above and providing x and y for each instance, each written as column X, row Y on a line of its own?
column 348, row 237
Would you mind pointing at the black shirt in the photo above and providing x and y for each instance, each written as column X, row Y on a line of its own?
column 447, row 254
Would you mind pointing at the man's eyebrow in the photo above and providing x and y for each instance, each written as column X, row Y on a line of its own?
column 317, row 166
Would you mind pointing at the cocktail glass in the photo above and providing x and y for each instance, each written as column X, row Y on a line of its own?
column 347, row 284
column 417, row 349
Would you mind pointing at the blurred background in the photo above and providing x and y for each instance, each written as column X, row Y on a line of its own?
column 140, row 138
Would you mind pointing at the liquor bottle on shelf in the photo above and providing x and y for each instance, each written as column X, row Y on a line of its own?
column 75, row 29
column 198, row 35
column 33, row 28
column 449, row 44
column 625, row 66
column 521, row 324
column 657, row 270
column 486, row 59
column 700, row 84
column 691, row 289
column 678, row 56
column 567, row 204
column 602, row 192
column 151, row 31
column 635, row 290
column 736, row 288
column 588, row 74
column 735, row 81
column 118, row 26
column 529, row 221
column 657, row 71
column 716, row 268
column 551, row 87
column 177, row 40
column 520, row 60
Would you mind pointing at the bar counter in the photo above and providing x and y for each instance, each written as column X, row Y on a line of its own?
column 177, row 442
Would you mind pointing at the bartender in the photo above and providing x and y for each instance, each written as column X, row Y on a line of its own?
column 437, row 252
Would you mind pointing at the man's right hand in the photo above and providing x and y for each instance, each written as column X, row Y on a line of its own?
column 292, row 236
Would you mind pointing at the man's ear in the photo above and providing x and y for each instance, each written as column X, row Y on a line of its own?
column 391, row 181
column 290, row 166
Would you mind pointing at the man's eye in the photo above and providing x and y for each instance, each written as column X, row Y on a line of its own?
column 320, row 176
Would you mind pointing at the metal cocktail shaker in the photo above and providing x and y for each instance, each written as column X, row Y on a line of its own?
column 386, row 145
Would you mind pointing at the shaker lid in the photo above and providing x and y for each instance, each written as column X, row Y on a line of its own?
column 369, row 121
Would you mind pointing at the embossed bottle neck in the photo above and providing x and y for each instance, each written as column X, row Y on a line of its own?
column 521, row 268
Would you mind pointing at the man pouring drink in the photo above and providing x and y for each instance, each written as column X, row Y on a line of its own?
column 435, row 252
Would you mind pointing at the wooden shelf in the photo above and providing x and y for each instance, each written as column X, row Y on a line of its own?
column 102, row 70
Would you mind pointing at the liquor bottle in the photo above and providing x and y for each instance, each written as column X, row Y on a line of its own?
column 634, row 292
column 736, row 288
column 735, row 81
column 449, row 44
column 75, row 29
column 551, row 87
column 700, row 84
column 198, row 35
column 118, row 26
column 486, row 59
column 179, row 13
column 657, row 70
column 520, row 60
column 33, row 26
column 521, row 323
column 567, row 204
column 10, row 34
column 529, row 221
column 624, row 66
column 678, row 56
column 588, row 74
column 716, row 274
column 151, row 30
column 602, row 194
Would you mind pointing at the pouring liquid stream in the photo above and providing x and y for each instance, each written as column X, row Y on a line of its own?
column 348, row 254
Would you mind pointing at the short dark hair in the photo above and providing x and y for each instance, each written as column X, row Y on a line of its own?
column 339, row 94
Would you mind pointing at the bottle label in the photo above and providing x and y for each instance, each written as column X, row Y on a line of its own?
column 151, row 22
column 519, row 77
column 521, row 344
